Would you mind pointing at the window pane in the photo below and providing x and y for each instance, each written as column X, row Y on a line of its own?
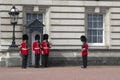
column 89, row 24
column 100, row 39
column 100, row 24
column 101, row 18
column 34, row 16
column 89, row 39
column 95, row 18
column 95, row 39
column 28, row 18
column 89, row 32
column 40, row 17
column 94, row 24
column 100, row 32
column 94, row 32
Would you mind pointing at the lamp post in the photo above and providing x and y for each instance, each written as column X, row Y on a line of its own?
column 14, row 12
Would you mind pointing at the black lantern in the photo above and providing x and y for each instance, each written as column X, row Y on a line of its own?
column 14, row 12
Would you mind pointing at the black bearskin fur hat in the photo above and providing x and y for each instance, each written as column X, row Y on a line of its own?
column 45, row 37
column 83, row 38
column 25, row 37
column 37, row 37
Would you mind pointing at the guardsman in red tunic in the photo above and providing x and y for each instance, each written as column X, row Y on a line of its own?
column 24, row 51
column 84, row 51
column 45, row 49
column 37, row 50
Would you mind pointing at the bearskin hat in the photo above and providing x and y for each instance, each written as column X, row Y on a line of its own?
column 83, row 38
column 45, row 36
column 37, row 37
column 25, row 37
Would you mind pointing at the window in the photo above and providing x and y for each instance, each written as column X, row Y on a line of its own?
column 32, row 16
column 95, row 28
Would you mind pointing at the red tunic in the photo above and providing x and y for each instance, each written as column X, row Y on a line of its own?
column 45, row 47
column 23, row 48
column 85, row 52
column 36, row 47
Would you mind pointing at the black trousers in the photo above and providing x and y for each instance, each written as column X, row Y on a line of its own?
column 84, row 59
column 24, row 61
column 45, row 60
column 37, row 60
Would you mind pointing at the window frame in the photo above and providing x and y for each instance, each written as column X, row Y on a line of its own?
column 96, row 44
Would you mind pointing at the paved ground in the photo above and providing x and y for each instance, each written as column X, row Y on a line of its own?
column 61, row 73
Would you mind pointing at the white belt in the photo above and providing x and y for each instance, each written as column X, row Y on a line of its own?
column 24, row 49
column 45, row 48
column 37, row 48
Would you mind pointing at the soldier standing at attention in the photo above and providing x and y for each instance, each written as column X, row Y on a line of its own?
column 24, row 51
column 46, row 50
column 84, row 51
column 37, row 51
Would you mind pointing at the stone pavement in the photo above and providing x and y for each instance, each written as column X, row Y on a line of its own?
column 61, row 73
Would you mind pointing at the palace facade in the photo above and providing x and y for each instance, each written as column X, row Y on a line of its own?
column 65, row 21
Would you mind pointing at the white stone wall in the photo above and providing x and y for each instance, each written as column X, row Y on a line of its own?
column 67, row 25
column 66, row 22
column 115, row 27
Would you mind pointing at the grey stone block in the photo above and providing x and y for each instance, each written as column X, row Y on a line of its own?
column 12, row 61
column 2, row 63
column 92, row 61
